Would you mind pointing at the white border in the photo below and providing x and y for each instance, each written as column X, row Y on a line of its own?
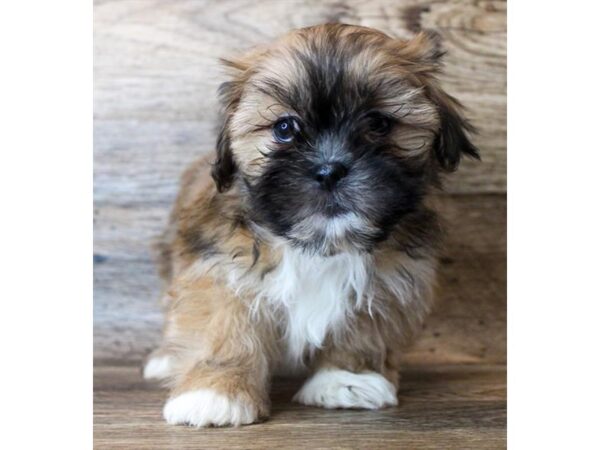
column 46, row 225
column 554, row 225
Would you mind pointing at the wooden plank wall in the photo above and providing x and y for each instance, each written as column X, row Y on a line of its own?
column 155, row 77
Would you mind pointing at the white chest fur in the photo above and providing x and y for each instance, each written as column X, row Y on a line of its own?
column 316, row 295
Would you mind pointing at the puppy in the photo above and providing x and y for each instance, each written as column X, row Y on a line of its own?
column 312, row 248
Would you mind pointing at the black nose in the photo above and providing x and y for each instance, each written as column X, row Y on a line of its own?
column 330, row 173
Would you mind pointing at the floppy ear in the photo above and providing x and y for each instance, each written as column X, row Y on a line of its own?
column 224, row 167
column 230, row 94
column 452, row 141
column 425, row 53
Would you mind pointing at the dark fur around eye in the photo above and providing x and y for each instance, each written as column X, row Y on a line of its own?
column 285, row 130
column 379, row 124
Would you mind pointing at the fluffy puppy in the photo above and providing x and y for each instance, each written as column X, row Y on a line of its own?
column 313, row 246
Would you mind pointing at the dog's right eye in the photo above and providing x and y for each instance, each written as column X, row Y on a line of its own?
column 379, row 124
column 285, row 130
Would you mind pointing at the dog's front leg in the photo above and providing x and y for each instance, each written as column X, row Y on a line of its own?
column 223, row 376
column 354, row 371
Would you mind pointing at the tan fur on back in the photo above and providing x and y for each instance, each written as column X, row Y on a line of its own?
column 243, row 302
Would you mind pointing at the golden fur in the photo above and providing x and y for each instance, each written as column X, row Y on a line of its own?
column 223, row 329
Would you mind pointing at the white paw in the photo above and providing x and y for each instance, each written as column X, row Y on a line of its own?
column 334, row 388
column 205, row 407
column 158, row 368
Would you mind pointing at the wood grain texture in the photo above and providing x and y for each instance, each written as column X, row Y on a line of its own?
column 156, row 74
column 155, row 77
column 449, row 407
column 468, row 324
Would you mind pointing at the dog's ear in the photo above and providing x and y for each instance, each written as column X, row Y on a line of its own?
column 230, row 94
column 424, row 53
column 452, row 141
column 224, row 167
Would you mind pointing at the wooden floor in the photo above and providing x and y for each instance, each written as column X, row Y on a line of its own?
column 453, row 389
column 440, row 406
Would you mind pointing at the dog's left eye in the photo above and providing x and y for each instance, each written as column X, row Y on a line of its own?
column 379, row 124
column 285, row 130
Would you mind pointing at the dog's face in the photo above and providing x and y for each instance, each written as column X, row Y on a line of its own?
column 335, row 133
